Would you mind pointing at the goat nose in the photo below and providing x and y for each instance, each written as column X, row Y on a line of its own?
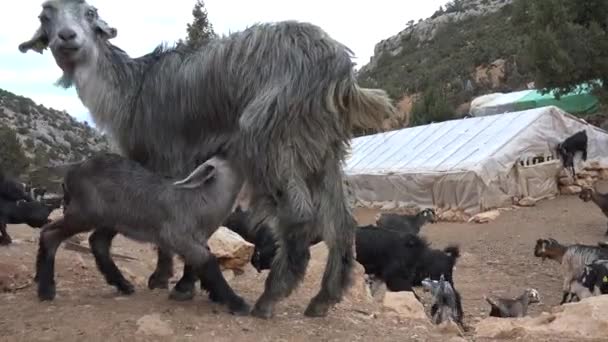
column 67, row 34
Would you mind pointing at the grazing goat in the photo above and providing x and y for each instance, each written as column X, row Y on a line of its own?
column 110, row 194
column 406, row 223
column 567, row 149
column 34, row 214
column 281, row 99
column 446, row 304
column 509, row 307
column 572, row 258
column 595, row 277
column 402, row 260
column 601, row 200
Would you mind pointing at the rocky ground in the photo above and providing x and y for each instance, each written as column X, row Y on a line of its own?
column 497, row 258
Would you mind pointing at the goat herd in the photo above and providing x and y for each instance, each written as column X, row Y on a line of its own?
column 270, row 109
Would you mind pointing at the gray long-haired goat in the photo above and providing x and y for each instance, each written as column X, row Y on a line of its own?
column 280, row 99
column 110, row 194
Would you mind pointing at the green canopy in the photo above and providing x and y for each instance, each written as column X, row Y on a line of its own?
column 578, row 102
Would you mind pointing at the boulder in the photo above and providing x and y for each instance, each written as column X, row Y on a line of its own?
column 566, row 180
column 231, row 250
column 404, row 305
column 452, row 215
column 570, row 189
column 486, row 216
column 603, row 174
column 527, row 202
column 587, row 319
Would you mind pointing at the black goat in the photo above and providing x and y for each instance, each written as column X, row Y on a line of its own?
column 261, row 236
column 568, row 148
column 34, row 214
column 406, row 223
column 595, row 277
column 389, row 256
column 402, row 260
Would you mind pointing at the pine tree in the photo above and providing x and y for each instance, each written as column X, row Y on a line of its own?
column 200, row 31
column 567, row 42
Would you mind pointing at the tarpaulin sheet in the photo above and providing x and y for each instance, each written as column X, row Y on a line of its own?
column 471, row 164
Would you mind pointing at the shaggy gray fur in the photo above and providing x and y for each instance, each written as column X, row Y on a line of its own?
column 280, row 99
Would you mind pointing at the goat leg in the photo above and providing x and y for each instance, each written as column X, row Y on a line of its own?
column 159, row 279
column 219, row 290
column 5, row 239
column 184, row 289
column 101, row 242
column 564, row 297
column 50, row 239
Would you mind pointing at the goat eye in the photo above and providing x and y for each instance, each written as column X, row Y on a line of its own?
column 90, row 14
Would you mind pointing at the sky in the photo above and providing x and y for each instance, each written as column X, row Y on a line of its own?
column 143, row 24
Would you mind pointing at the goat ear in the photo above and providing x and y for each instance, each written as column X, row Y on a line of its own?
column 103, row 27
column 201, row 175
column 38, row 43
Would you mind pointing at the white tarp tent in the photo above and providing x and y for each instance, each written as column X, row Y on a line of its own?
column 471, row 164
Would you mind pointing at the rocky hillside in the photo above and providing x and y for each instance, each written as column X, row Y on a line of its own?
column 46, row 136
column 467, row 48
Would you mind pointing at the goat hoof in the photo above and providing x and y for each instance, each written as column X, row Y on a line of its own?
column 5, row 241
column 156, row 282
column 262, row 312
column 180, row 296
column 316, row 309
column 46, row 293
column 215, row 298
column 126, row 288
column 239, row 307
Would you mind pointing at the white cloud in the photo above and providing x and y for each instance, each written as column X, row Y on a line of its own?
column 143, row 24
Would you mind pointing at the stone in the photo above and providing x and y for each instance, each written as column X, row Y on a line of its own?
column 231, row 250
column 527, row 202
column 570, row 190
column 152, row 325
column 484, row 217
column 404, row 305
column 603, row 174
column 587, row 319
column 566, row 181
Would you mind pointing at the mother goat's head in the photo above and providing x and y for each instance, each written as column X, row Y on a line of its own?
column 71, row 29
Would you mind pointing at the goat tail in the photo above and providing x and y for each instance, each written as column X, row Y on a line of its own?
column 365, row 107
column 453, row 251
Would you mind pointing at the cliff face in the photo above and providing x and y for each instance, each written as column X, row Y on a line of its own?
column 466, row 49
column 44, row 137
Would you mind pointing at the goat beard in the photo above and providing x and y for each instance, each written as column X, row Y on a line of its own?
column 66, row 80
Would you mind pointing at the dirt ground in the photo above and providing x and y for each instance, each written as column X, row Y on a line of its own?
column 496, row 258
